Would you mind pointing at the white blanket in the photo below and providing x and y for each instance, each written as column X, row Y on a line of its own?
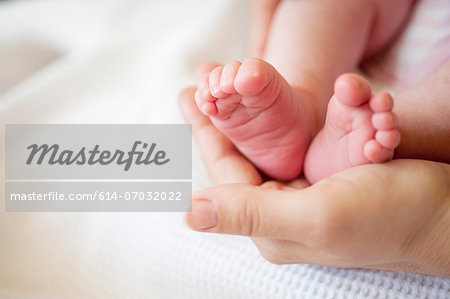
column 124, row 61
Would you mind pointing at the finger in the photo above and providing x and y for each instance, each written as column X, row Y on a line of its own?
column 280, row 251
column 287, row 186
column 223, row 161
column 319, row 216
column 277, row 186
column 254, row 211
column 351, row 233
column 290, row 252
column 298, row 183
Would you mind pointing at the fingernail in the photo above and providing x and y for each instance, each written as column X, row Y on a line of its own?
column 203, row 215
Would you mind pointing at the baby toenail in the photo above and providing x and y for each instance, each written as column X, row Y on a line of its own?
column 226, row 84
column 216, row 90
column 205, row 92
column 204, row 107
column 196, row 97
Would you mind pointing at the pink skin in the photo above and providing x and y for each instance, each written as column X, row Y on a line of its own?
column 360, row 128
column 272, row 119
column 265, row 118
column 260, row 113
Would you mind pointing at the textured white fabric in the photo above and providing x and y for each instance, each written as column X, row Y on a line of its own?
column 124, row 61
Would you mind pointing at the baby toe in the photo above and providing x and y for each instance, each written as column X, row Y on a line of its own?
column 376, row 153
column 381, row 102
column 389, row 139
column 384, row 121
column 227, row 106
column 209, row 108
column 229, row 72
column 253, row 76
column 352, row 90
column 214, row 83
column 198, row 100
column 203, row 90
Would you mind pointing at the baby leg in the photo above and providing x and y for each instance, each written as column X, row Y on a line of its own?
column 272, row 119
column 312, row 42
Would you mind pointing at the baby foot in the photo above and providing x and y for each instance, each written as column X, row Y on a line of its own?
column 359, row 129
column 267, row 120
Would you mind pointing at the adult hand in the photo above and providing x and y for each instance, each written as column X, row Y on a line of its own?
column 393, row 216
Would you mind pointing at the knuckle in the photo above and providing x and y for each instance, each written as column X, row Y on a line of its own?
column 249, row 219
column 273, row 185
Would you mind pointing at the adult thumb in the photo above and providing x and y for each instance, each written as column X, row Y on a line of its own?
column 247, row 210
